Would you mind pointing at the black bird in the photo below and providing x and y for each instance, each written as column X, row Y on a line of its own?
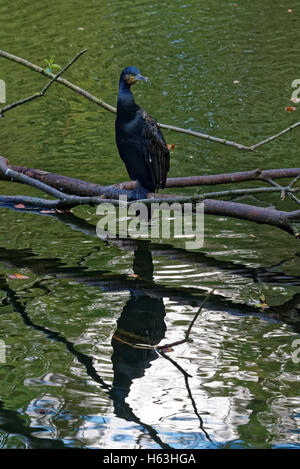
column 139, row 140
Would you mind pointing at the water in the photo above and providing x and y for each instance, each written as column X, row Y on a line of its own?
column 71, row 377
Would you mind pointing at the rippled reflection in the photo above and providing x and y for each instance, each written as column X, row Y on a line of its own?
column 75, row 375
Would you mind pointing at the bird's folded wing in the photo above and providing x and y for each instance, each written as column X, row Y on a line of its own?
column 157, row 156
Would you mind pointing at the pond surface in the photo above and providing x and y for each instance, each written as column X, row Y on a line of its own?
column 71, row 377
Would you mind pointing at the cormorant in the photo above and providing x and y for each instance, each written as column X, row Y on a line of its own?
column 139, row 140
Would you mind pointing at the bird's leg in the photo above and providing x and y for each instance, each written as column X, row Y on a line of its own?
column 139, row 193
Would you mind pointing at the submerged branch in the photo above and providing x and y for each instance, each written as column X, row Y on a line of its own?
column 188, row 331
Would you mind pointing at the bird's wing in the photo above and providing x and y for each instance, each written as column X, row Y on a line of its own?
column 157, row 156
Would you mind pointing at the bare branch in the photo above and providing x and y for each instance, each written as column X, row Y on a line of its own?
column 43, row 91
column 63, row 81
column 188, row 331
column 284, row 220
column 286, row 190
column 112, row 109
column 238, row 146
column 267, row 140
column 84, row 188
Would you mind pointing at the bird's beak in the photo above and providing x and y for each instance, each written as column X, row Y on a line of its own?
column 141, row 77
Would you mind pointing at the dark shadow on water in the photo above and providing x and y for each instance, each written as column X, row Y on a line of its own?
column 136, row 363
column 141, row 322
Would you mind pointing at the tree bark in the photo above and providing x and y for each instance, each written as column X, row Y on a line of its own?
column 85, row 189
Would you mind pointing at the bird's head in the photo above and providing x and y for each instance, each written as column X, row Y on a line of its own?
column 130, row 75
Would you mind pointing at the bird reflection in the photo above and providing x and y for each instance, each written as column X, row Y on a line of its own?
column 141, row 322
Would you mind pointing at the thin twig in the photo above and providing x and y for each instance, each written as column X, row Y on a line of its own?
column 286, row 190
column 292, row 196
column 188, row 331
column 44, row 90
column 186, row 379
column 237, row 192
column 60, row 80
column 63, row 70
column 238, row 146
column 267, row 140
column 294, row 181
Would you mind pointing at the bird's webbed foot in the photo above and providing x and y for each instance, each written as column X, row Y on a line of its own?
column 139, row 193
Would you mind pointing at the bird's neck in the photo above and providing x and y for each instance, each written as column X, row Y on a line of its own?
column 125, row 105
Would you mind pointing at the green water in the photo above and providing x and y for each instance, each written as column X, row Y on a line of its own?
column 68, row 380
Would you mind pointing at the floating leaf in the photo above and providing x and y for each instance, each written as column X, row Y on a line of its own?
column 17, row 276
column 43, row 411
column 263, row 304
column 66, row 210
column 290, row 108
column 166, row 349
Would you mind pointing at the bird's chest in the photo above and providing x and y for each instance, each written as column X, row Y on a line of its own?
column 129, row 129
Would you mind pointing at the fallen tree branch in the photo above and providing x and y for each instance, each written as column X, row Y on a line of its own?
column 72, row 185
column 288, row 221
column 110, row 192
column 112, row 109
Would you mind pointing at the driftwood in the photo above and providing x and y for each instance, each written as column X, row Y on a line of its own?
column 70, row 192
